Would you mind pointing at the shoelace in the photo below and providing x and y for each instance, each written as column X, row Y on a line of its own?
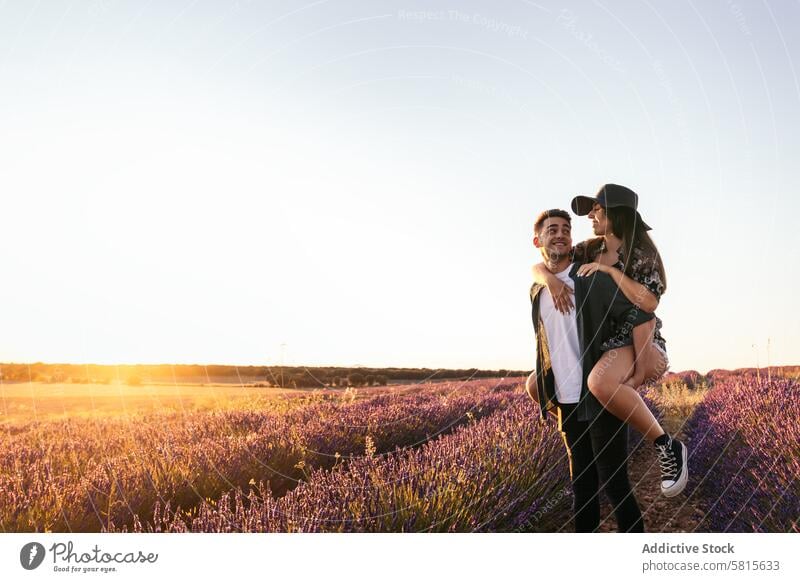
column 668, row 462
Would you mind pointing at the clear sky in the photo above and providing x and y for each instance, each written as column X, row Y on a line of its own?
column 202, row 182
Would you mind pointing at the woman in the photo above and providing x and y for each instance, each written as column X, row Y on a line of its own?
column 625, row 252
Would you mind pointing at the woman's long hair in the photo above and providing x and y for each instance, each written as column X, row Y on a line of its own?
column 626, row 224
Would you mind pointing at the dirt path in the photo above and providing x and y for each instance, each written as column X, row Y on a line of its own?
column 661, row 514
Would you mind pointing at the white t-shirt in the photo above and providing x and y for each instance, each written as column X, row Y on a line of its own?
column 562, row 342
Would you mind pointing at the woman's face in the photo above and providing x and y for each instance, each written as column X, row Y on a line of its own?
column 599, row 220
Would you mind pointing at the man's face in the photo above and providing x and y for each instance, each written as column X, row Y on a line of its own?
column 599, row 220
column 555, row 238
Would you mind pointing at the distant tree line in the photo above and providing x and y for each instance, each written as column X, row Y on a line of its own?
column 285, row 376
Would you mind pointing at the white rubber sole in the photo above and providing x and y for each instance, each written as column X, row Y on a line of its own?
column 679, row 485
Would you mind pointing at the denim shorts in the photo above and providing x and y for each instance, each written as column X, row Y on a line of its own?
column 663, row 352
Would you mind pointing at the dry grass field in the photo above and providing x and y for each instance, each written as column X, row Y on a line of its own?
column 36, row 401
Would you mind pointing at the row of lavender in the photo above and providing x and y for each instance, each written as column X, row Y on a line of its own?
column 82, row 475
column 745, row 455
column 505, row 472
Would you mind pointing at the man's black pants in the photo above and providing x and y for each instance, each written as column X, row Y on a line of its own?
column 598, row 457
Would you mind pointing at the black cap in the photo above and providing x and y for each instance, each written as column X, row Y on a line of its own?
column 609, row 196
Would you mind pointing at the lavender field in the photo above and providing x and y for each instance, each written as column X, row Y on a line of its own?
column 449, row 457
column 746, row 458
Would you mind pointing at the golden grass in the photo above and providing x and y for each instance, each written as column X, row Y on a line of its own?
column 676, row 398
column 677, row 402
column 35, row 401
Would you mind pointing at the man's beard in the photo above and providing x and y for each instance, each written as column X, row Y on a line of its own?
column 554, row 257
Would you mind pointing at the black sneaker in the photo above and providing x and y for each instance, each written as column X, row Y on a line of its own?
column 674, row 470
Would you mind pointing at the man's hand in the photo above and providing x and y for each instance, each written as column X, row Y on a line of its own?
column 636, row 380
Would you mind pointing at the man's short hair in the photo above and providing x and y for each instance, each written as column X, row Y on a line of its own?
column 554, row 213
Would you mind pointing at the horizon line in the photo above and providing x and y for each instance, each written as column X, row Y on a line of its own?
column 284, row 365
column 351, row 366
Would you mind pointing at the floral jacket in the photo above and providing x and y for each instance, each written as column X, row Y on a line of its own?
column 644, row 270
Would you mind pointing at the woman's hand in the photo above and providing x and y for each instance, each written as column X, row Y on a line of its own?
column 587, row 269
column 560, row 291
column 562, row 294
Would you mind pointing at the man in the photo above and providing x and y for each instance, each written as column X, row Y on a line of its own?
column 568, row 347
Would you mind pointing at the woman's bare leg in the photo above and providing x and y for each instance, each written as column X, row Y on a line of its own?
column 531, row 387
column 606, row 383
column 655, row 364
column 652, row 361
column 532, row 391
